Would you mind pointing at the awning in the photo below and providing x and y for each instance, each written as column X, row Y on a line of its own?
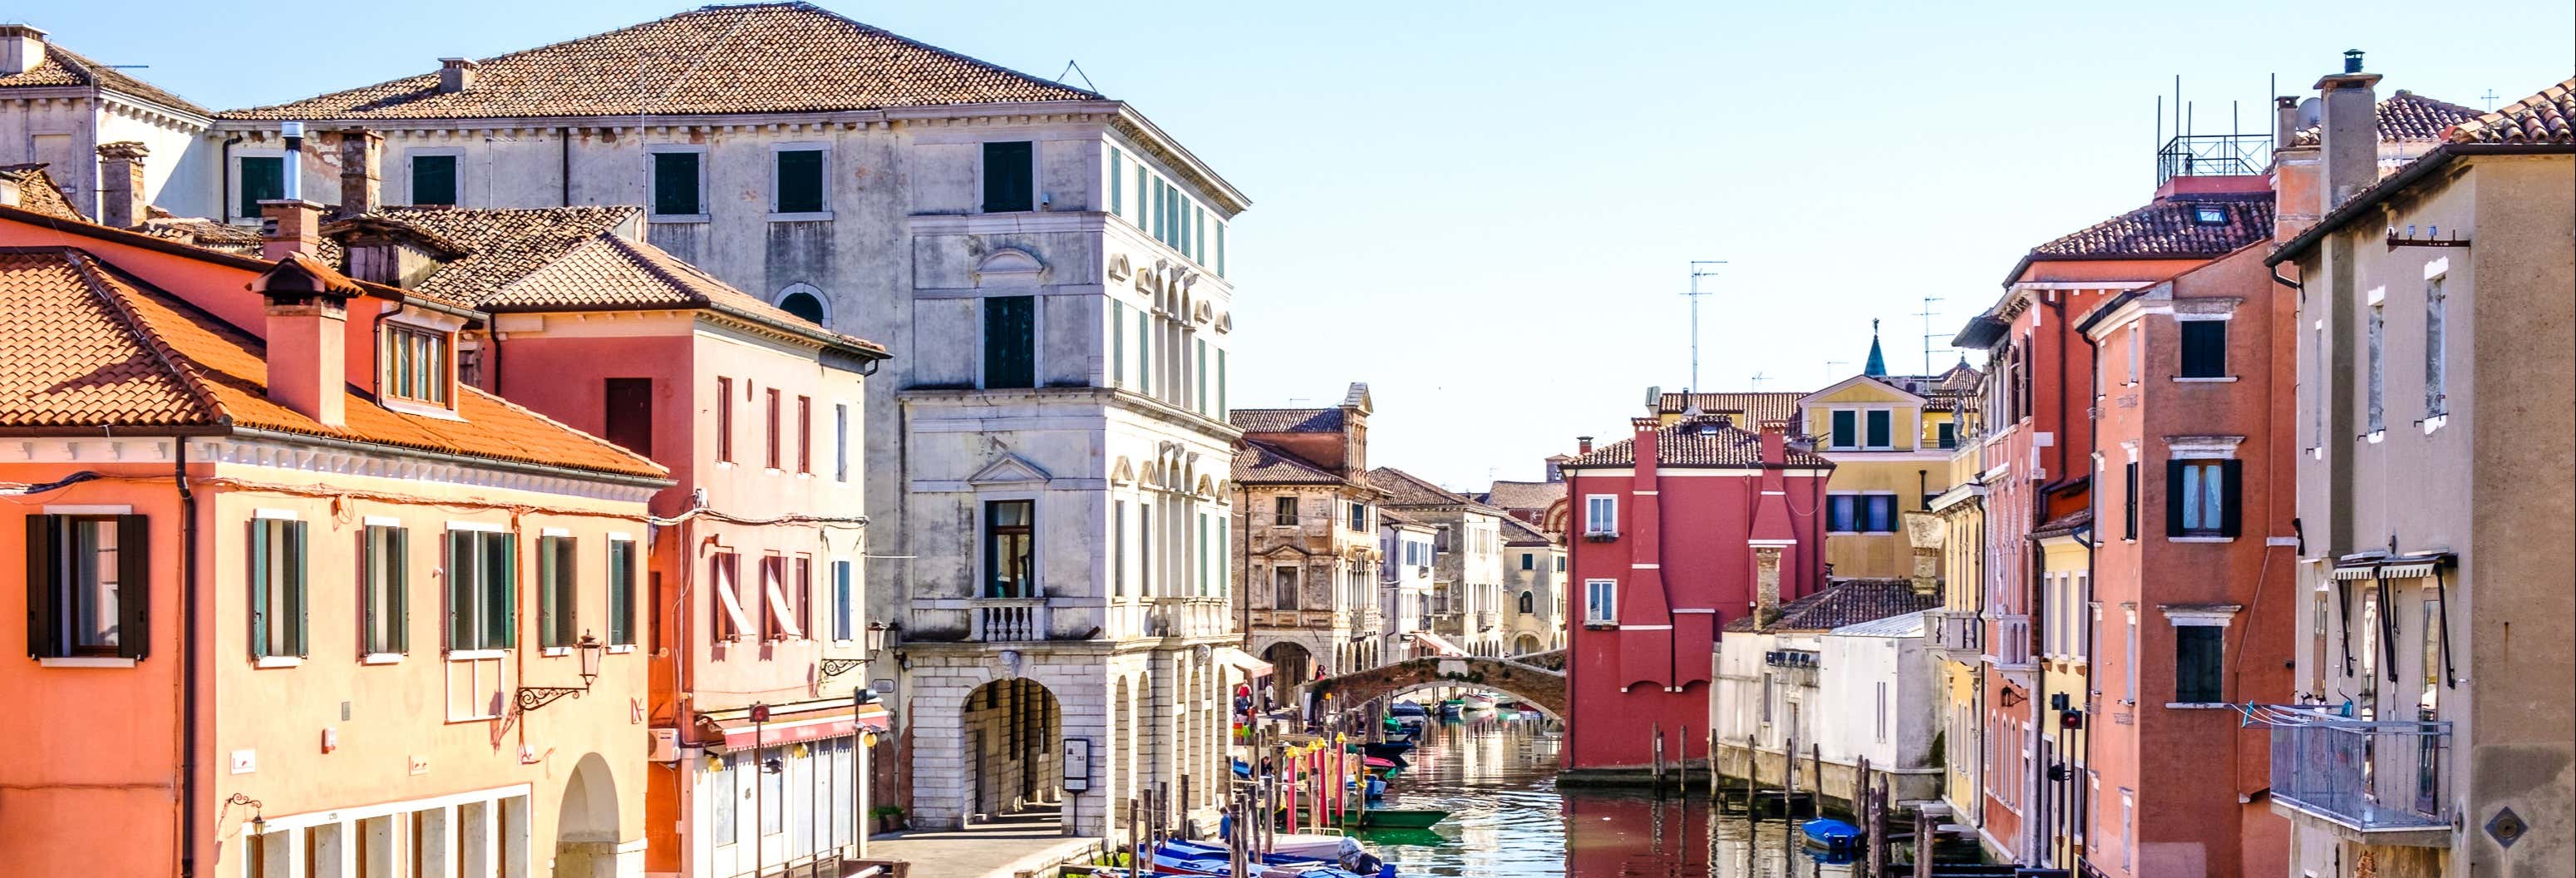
column 1237, row 659
column 2414, row 566
column 811, row 725
column 1438, row 645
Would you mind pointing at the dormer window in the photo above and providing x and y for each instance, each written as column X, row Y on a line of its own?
column 415, row 365
column 2209, row 215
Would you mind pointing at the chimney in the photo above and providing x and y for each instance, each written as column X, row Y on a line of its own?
column 455, row 75
column 307, row 333
column 361, row 171
column 2285, row 122
column 121, row 204
column 1355, row 411
column 22, row 48
column 1775, row 446
column 292, row 225
column 1766, row 585
column 2348, row 130
column 1583, row 445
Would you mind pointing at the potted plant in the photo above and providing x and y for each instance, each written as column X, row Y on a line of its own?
column 889, row 817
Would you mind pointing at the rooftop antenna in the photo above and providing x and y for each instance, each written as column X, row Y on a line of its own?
column 2490, row 98
column 1833, row 368
column 1927, row 314
column 1697, row 272
column 1757, row 381
column 1073, row 67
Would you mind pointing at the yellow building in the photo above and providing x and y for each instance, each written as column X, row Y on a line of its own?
column 1956, row 629
column 1891, row 439
column 2065, row 571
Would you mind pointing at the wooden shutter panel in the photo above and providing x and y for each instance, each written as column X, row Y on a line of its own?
column 1010, row 340
column 504, row 588
column 296, row 603
column 2173, row 498
column 547, row 617
column 371, row 559
column 133, row 587
column 259, row 564
column 2231, row 476
column 460, row 589
column 1007, row 169
column 2129, row 504
column 398, row 592
column 675, row 183
column 40, row 552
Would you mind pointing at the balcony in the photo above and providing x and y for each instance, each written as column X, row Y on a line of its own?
column 1007, row 620
column 1958, row 634
column 2214, row 155
column 2376, row 782
column 1189, row 616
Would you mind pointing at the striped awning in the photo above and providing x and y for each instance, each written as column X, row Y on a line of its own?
column 2399, row 567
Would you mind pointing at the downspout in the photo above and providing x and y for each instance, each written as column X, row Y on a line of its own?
column 2090, row 532
column 187, row 662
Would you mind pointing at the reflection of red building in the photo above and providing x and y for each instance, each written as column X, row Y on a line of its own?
column 1610, row 836
column 1675, row 532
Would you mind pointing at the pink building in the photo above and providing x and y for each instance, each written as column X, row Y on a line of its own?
column 302, row 602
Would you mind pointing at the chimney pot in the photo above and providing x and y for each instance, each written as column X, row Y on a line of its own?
column 1583, row 444
column 455, row 75
column 2352, row 60
column 291, row 225
column 361, row 171
column 22, row 48
column 121, row 203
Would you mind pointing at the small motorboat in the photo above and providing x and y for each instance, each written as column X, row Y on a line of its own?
column 1479, row 701
column 1451, row 708
column 1830, row 835
column 1406, row 708
column 1385, row 748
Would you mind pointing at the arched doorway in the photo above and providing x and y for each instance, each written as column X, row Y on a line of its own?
column 586, row 822
column 1526, row 644
column 1012, row 765
column 1290, row 666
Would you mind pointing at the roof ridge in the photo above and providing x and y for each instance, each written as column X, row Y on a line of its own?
column 180, row 366
column 108, row 77
column 917, row 43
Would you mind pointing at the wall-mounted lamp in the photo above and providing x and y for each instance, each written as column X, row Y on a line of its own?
column 589, row 649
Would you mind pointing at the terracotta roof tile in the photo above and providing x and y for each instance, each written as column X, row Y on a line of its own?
column 1761, row 407
column 38, row 192
column 1712, row 440
column 1406, row 489
column 755, row 58
column 64, row 67
column 2546, row 117
column 1846, row 602
column 1286, row 420
column 2170, row 228
column 2405, row 117
column 1518, row 533
column 1260, row 463
column 1525, row 495
column 103, row 348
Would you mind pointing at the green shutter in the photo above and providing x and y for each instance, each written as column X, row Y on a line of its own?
column 1010, row 341
column 800, row 181
column 547, row 618
column 42, row 536
column 1117, row 343
column 462, row 568
column 263, row 178
column 1144, row 351
column 675, row 184
column 1203, row 376
column 398, row 591
column 1220, row 249
column 501, row 624
column 621, row 598
column 567, row 592
column 1846, row 429
column 298, row 608
column 2231, row 480
column 1008, row 168
column 1220, row 388
column 1881, row 428
column 1117, row 191
column 433, row 179
column 259, row 564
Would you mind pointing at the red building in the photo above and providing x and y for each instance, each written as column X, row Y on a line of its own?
column 1681, row 528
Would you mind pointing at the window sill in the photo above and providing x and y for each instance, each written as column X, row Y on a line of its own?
column 621, row 649
column 1601, row 626
column 85, row 661
column 423, row 408
column 2222, row 379
column 676, row 218
column 2431, row 423
column 467, row 655
column 801, row 216
column 278, row 661
column 555, row 651
column 2200, row 539
column 381, row 658
column 2198, row 705
column 2375, row 437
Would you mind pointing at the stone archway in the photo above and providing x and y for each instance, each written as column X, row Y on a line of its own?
column 1291, row 664
column 1011, row 728
column 1540, row 687
column 586, row 822
column 1527, row 643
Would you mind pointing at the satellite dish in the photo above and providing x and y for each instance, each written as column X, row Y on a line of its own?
column 2309, row 113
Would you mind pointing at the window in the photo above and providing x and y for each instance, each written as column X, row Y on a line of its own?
column 1528, row 560
column 1144, row 352
column 482, row 590
column 773, row 788
column 1202, row 376
column 676, row 185
column 1560, row 563
column 1117, row 192
column 1846, row 428
column 2427, row 706
column 277, row 605
column 2378, row 367
column 2436, row 343
column 1881, row 428
column 2137, row 349
column 805, row 434
column 1529, row 602
column 263, row 178
column 1220, row 249
column 628, row 416
column 774, row 437
column 1284, row 594
column 1117, row 343
column 77, row 570
column 1600, row 602
column 2128, row 826
column 2200, row 497
column 1010, row 341
column 385, row 620
column 724, row 420
column 433, row 180
column 621, row 591
column 1949, row 434
column 1860, row 513
column 415, row 364
column 725, row 570
column 1009, row 548
column 2209, row 215
column 1118, row 549
column 2204, row 348
column 800, row 181
column 1359, row 515
column 724, row 782
column 796, row 611
column 1882, row 711
column 558, row 602
column 2129, row 692
column 1283, row 511
column 1601, row 515
column 805, row 301
column 845, row 602
column 2198, row 650
column 1009, row 172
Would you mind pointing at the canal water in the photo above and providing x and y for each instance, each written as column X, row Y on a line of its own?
column 1497, row 778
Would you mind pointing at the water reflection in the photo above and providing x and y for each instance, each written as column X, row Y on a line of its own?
column 1497, row 778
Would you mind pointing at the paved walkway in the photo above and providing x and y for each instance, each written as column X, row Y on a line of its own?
column 1001, row 849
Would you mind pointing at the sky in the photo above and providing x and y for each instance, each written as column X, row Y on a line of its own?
column 1488, row 211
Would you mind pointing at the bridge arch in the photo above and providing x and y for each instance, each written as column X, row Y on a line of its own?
column 1537, row 686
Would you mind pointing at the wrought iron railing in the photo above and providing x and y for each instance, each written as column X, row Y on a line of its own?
column 2214, row 155
column 2370, row 776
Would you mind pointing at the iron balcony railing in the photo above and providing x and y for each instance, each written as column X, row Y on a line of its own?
column 2214, row 155
column 2386, row 776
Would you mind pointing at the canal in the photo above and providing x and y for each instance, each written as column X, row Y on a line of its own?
column 1497, row 778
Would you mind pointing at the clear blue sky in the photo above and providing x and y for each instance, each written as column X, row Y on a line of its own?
column 1487, row 210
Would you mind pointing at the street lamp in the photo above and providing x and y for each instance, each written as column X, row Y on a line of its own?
column 588, row 649
column 874, row 644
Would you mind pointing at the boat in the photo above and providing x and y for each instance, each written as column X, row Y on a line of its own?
column 1406, row 708
column 1479, row 701
column 1385, row 748
column 1291, row 856
column 1831, row 835
column 1451, row 708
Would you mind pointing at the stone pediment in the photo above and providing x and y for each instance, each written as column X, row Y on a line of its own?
column 1124, row 473
column 1009, row 266
column 1010, row 469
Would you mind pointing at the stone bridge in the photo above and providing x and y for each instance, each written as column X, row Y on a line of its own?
column 1538, row 686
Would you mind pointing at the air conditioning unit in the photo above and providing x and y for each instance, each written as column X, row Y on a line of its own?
column 665, row 746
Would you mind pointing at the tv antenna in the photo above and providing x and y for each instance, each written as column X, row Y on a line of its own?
column 2490, row 98
column 1927, row 314
column 1757, row 381
column 1833, row 368
column 1075, row 68
column 1697, row 272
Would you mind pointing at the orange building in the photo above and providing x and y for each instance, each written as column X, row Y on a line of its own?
column 298, row 601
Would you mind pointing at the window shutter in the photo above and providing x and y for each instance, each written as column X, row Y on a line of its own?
column 259, row 563
column 41, row 539
column 675, row 183
column 800, row 181
column 2204, row 348
column 371, row 559
column 1846, row 431
column 460, row 589
column 1010, row 334
column 1006, row 177
column 296, row 604
column 398, row 591
column 2173, row 498
column 1881, row 428
column 505, row 591
column 2129, row 506
column 2231, row 475
column 433, row 179
column 1117, row 343
column 547, row 618
column 263, row 178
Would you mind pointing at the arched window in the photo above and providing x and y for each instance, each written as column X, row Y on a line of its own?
column 806, row 302
column 1529, row 602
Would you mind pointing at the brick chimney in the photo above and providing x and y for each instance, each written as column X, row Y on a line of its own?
column 22, row 48
column 1583, row 445
column 362, row 187
column 307, row 333
column 121, row 203
column 292, row 225
column 1355, row 411
column 455, row 75
column 2348, row 130
column 1766, row 585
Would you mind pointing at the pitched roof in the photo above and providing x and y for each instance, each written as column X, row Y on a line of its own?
column 1762, row 407
column 1845, row 602
column 95, row 347
column 752, row 58
column 38, row 192
column 1261, row 463
column 1406, row 489
column 1518, row 533
column 64, row 67
column 1525, row 495
column 2404, row 117
column 2541, row 118
column 570, row 258
column 1711, row 440
column 2168, row 228
column 1286, row 420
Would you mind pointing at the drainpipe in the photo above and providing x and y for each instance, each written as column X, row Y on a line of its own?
column 187, row 661
column 2090, row 534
